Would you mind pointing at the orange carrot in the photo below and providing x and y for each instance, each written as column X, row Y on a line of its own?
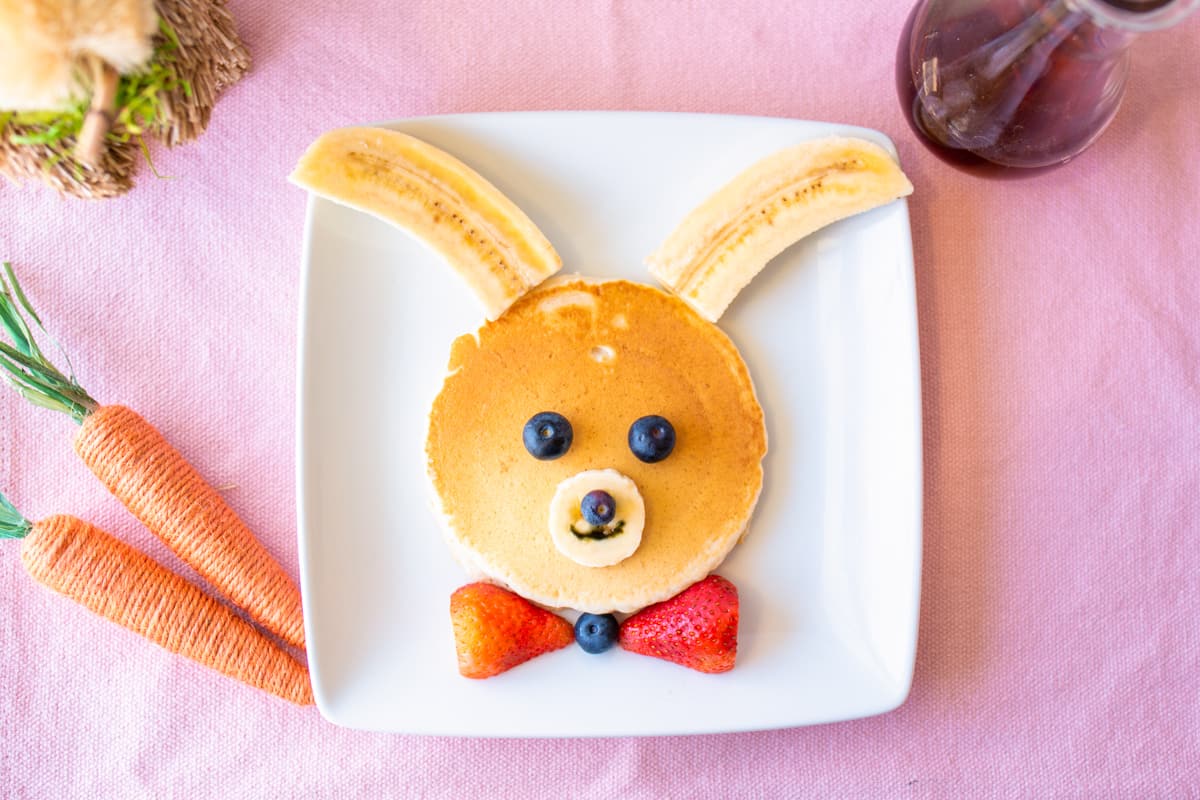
column 165, row 492
column 137, row 464
column 91, row 567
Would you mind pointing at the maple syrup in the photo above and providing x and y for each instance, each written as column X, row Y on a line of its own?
column 995, row 84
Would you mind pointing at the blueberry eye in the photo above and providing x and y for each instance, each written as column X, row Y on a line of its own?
column 547, row 435
column 651, row 438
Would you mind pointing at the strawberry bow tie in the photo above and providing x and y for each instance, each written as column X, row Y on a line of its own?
column 495, row 630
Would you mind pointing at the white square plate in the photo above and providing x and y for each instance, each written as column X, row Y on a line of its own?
column 829, row 574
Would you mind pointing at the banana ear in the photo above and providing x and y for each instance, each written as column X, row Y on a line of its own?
column 492, row 245
column 723, row 243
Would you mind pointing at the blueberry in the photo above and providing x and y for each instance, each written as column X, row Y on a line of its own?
column 596, row 633
column 651, row 438
column 598, row 507
column 547, row 435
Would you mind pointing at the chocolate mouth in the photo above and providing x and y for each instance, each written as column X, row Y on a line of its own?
column 601, row 532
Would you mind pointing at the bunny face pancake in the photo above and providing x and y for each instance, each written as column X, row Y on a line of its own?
column 596, row 445
column 602, row 355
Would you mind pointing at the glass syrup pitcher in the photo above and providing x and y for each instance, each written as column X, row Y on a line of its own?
column 1020, row 83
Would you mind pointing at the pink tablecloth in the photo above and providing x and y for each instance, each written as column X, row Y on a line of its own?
column 1059, row 651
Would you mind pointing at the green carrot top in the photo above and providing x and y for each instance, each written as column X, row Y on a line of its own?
column 28, row 369
column 12, row 524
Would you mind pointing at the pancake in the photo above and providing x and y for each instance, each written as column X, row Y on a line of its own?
column 602, row 354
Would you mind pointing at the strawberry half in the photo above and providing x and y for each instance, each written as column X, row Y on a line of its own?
column 495, row 630
column 696, row 628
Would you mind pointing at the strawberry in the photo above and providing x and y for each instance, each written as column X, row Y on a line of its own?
column 495, row 630
column 696, row 628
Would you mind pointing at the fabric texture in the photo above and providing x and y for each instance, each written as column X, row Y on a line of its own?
column 1059, row 650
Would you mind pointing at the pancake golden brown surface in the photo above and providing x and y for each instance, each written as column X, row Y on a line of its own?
column 601, row 354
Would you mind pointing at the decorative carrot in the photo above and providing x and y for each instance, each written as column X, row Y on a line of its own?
column 106, row 575
column 154, row 481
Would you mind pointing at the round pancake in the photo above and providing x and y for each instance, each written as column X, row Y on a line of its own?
column 602, row 354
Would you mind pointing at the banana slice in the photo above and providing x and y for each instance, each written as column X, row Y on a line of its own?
column 722, row 244
column 445, row 204
column 603, row 545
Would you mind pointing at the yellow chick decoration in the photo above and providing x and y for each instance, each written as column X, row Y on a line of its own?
column 84, row 82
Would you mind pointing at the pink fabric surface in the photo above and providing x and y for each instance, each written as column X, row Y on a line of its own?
column 1059, row 652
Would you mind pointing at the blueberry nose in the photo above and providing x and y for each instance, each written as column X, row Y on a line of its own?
column 596, row 517
column 598, row 507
